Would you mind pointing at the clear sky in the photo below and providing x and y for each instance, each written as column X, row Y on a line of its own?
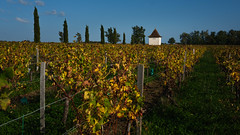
column 169, row 17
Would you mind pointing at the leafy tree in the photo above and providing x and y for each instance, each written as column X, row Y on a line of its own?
column 232, row 37
column 109, row 35
column 102, row 35
column 36, row 26
column 132, row 40
column 124, row 40
column 221, row 37
column 212, row 39
column 65, row 32
column 60, row 33
column 112, row 35
column 138, row 35
column 171, row 40
column 204, row 37
column 196, row 39
column 79, row 38
column 86, row 35
column 238, row 37
column 185, row 38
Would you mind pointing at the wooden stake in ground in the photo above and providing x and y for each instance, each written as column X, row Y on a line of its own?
column 129, row 128
column 184, row 66
column 106, row 58
column 140, row 81
column 42, row 97
column 37, row 57
column 66, row 110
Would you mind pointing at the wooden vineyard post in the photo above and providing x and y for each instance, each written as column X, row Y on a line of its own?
column 147, row 72
column 106, row 58
column 129, row 128
column 233, row 88
column 31, row 76
column 42, row 97
column 194, row 52
column 37, row 57
column 140, row 81
column 229, row 76
column 180, row 80
column 184, row 66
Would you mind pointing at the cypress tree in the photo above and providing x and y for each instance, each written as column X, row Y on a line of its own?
column 36, row 26
column 114, row 36
column 65, row 32
column 124, row 42
column 102, row 35
column 86, row 35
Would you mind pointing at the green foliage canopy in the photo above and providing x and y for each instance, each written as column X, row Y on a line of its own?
column 138, row 36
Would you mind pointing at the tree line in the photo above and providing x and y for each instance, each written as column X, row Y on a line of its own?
column 231, row 37
column 138, row 36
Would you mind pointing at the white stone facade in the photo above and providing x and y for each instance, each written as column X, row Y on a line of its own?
column 155, row 40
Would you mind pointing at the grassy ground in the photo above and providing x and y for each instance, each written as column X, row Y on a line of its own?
column 205, row 105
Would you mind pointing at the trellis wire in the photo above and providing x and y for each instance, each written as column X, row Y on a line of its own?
column 31, row 112
column 43, row 107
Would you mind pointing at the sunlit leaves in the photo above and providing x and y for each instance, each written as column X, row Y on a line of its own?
column 104, row 75
column 229, row 58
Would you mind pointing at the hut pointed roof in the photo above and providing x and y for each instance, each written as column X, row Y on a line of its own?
column 155, row 34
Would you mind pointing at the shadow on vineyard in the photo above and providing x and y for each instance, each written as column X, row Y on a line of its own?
column 54, row 115
column 30, row 124
column 205, row 105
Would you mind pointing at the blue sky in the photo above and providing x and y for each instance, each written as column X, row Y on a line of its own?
column 170, row 18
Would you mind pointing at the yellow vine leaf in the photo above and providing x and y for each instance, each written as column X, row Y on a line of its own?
column 118, row 107
column 86, row 95
column 119, row 115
